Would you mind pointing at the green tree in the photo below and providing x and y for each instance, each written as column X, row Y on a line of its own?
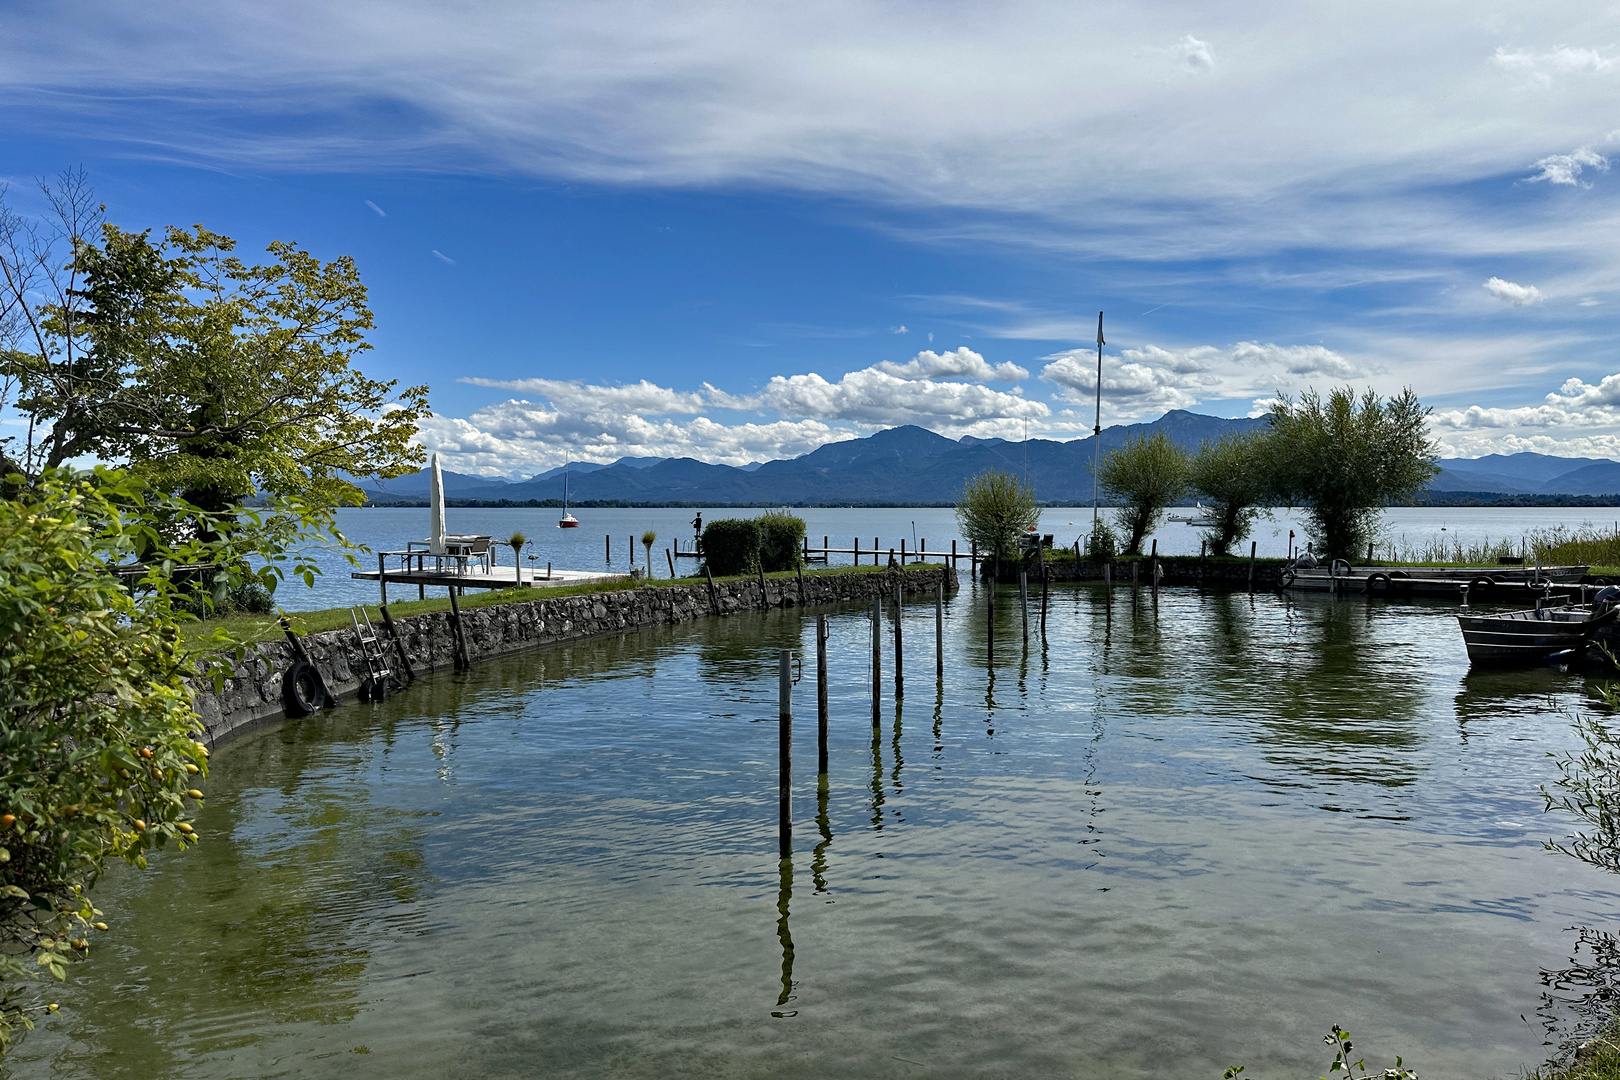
column 1232, row 474
column 996, row 511
column 1344, row 458
column 211, row 377
column 97, row 755
column 1147, row 475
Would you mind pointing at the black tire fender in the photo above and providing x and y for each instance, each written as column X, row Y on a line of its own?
column 1481, row 585
column 1287, row 576
column 1378, row 583
column 302, row 691
column 1398, row 574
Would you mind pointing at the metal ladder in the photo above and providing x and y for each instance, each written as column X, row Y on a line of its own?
column 378, row 676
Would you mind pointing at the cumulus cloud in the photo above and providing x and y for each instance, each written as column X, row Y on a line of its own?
column 1194, row 55
column 875, row 398
column 961, row 363
column 1153, row 378
column 1574, row 406
column 1510, row 292
column 1566, row 168
column 582, row 398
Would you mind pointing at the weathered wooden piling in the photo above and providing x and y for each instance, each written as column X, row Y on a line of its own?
column 877, row 662
column 902, row 551
column 714, row 597
column 855, row 546
column 800, row 569
column 1045, row 588
column 784, row 754
column 382, row 579
column 607, row 548
column 939, row 628
column 1023, row 599
column 823, row 632
column 899, row 644
column 1154, row 570
column 671, row 559
column 1254, row 545
column 1108, row 581
column 463, row 660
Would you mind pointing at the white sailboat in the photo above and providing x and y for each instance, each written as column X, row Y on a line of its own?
column 569, row 521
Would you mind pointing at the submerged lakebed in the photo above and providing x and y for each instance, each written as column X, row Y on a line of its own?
column 1166, row 841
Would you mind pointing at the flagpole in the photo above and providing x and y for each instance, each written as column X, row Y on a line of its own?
column 1096, row 434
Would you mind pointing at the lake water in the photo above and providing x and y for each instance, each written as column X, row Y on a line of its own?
column 606, row 538
column 1163, row 842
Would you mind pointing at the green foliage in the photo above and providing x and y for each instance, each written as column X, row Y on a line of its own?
column 731, row 545
column 1339, row 1040
column 1588, row 789
column 1102, row 545
column 995, row 511
column 781, row 540
column 1146, row 475
column 1231, row 473
column 97, row 759
column 1344, row 458
column 741, row 545
column 212, row 377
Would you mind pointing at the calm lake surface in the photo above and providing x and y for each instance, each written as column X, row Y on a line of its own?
column 604, row 540
column 1162, row 843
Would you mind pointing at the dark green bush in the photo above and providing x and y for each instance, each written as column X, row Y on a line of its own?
column 781, row 537
column 741, row 545
column 731, row 545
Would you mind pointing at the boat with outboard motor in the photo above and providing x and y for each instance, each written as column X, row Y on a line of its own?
column 1536, row 634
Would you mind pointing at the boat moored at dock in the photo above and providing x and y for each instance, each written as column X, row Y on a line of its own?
column 1536, row 634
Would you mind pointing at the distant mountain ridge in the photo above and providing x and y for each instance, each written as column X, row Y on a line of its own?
column 911, row 464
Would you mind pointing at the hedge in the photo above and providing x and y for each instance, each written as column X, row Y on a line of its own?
column 741, row 545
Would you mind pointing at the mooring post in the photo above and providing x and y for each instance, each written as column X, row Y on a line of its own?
column 1155, row 571
column 899, row 647
column 823, row 632
column 855, row 546
column 953, row 554
column 671, row 559
column 382, row 579
column 1108, row 581
column 1254, row 545
column 607, row 548
column 1023, row 599
column 902, row 551
column 784, row 754
column 1202, row 545
column 714, row 599
column 1044, row 589
column 877, row 662
column 939, row 627
column 463, row 660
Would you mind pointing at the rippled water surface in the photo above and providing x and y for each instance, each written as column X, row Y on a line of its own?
column 1156, row 845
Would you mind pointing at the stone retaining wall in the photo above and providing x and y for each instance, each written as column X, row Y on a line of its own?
column 252, row 692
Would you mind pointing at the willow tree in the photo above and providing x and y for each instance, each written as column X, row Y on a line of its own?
column 1344, row 458
column 996, row 511
column 1146, row 475
column 1232, row 473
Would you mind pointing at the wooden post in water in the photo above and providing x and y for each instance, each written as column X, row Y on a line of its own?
column 1041, row 553
column 1254, row 545
column 953, row 554
column 463, row 660
column 899, row 647
column 784, row 754
column 1108, row 582
column 823, row 632
column 1369, row 550
column 1202, row 545
column 939, row 627
column 990, row 636
column 1155, row 570
column 856, row 546
column 877, row 662
column 902, row 551
column 714, row 599
column 607, row 548
column 1023, row 599
column 382, row 579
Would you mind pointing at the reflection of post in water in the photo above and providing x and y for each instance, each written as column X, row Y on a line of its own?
column 1580, row 1000
column 877, row 779
column 818, row 858
column 990, row 704
column 939, row 717
column 894, row 744
column 784, row 894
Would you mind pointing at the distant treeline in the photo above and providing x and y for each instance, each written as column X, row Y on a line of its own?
column 1494, row 498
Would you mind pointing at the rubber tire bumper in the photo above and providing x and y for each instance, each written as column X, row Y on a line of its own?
column 302, row 692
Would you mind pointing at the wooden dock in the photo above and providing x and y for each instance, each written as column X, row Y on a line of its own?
column 479, row 577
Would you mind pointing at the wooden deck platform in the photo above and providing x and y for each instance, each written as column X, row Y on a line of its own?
column 477, row 577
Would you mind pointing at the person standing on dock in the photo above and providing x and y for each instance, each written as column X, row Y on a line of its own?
column 697, row 525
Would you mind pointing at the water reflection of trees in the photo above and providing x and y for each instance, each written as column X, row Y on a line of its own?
column 270, row 923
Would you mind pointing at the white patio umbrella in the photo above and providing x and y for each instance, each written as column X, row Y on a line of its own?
column 436, row 509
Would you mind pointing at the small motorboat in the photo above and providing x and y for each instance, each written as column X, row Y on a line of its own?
column 1535, row 634
column 1202, row 518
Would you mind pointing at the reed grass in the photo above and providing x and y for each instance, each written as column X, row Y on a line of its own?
column 1558, row 545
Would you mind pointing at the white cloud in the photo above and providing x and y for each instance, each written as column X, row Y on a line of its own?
column 1512, row 293
column 1140, row 382
column 901, row 329
column 379, row 210
column 873, row 398
column 1566, row 168
column 584, row 398
column 958, row 363
column 1194, row 55
column 442, row 257
column 1540, row 67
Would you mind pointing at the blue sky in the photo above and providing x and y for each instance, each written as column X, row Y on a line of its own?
column 736, row 233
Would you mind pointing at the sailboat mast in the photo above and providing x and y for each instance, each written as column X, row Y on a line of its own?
column 1096, row 436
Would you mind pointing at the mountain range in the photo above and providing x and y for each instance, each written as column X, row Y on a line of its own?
column 911, row 465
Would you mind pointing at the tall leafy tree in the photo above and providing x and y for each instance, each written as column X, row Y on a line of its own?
column 1231, row 472
column 996, row 511
column 1345, row 457
column 212, row 377
column 1146, row 475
